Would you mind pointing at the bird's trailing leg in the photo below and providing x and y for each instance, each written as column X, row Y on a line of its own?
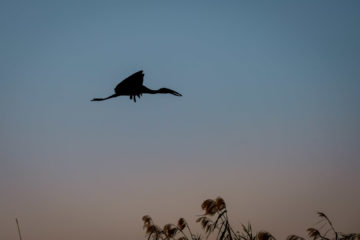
column 133, row 97
column 102, row 99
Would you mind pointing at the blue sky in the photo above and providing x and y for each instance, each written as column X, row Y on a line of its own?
column 267, row 86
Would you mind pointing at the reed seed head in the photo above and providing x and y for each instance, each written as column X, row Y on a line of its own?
column 313, row 233
column 170, row 230
column 147, row 219
column 263, row 235
column 220, row 203
column 209, row 206
column 181, row 224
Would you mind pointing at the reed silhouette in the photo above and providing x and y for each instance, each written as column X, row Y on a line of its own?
column 326, row 231
column 133, row 86
column 216, row 221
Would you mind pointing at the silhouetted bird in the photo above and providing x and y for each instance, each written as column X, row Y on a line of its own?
column 133, row 86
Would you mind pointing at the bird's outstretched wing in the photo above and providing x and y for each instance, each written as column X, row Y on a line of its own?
column 131, row 83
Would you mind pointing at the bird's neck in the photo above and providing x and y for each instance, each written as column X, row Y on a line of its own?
column 148, row 90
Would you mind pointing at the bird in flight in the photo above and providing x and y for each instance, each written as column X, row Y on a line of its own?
column 133, row 86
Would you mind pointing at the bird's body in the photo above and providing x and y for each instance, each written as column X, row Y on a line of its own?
column 133, row 86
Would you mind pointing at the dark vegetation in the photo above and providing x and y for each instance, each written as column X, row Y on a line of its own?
column 215, row 222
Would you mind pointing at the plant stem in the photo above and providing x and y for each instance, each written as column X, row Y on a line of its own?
column 18, row 227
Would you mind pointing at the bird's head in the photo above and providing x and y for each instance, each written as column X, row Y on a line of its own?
column 166, row 90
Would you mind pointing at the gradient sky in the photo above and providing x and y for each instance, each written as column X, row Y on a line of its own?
column 269, row 117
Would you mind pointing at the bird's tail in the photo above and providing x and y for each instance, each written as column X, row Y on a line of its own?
column 102, row 99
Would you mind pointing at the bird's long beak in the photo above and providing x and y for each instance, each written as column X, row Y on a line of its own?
column 173, row 92
column 176, row 94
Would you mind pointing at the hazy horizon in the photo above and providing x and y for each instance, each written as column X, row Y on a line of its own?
column 269, row 118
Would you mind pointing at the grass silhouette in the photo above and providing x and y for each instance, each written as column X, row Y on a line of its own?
column 215, row 221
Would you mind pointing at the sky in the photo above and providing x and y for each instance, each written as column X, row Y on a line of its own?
column 269, row 117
